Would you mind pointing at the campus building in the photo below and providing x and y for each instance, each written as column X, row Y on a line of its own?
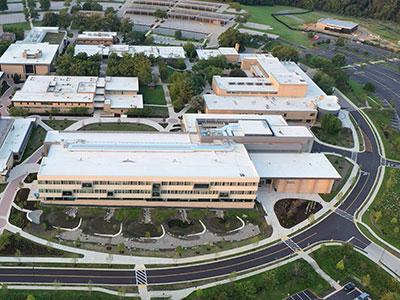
column 145, row 169
column 154, row 51
column 14, row 136
column 220, row 161
column 230, row 53
column 35, row 54
column 267, row 133
column 97, row 38
column 111, row 95
column 335, row 25
column 198, row 11
column 271, row 87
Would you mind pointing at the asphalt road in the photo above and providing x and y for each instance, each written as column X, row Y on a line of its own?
column 337, row 226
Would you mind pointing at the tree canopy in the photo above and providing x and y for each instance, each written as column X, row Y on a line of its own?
column 130, row 66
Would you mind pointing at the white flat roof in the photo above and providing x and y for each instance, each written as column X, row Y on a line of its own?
column 208, row 53
column 245, row 84
column 148, row 161
column 14, row 140
column 13, row 54
column 96, row 35
column 48, row 88
column 259, row 104
column 156, row 51
column 294, row 166
column 292, row 131
column 254, row 127
column 338, row 23
column 125, row 101
column 190, row 120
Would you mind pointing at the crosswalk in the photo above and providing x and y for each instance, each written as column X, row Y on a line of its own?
column 141, row 277
column 292, row 245
column 354, row 155
column 344, row 214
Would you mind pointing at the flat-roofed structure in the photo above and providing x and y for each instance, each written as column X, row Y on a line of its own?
column 336, row 25
column 267, row 133
column 198, row 11
column 112, row 95
column 14, row 135
column 97, row 38
column 307, row 173
column 28, row 59
column 272, row 87
column 145, row 169
column 155, row 51
column 44, row 34
column 230, row 53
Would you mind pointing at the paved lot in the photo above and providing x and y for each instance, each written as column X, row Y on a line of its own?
column 303, row 295
column 344, row 295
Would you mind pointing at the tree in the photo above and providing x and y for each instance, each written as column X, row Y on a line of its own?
column 178, row 34
column 190, row 50
column 92, row 5
column 339, row 60
column 196, row 103
column 369, row 87
column 212, row 71
column 331, row 124
column 3, row 5
column 340, row 265
column 161, row 14
column 324, row 81
column 231, row 37
column 3, row 46
column 390, row 296
column 366, row 280
column 44, row 4
column 30, row 297
column 284, row 52
column 179, row 250
column 162, row 67
column 180, row 89
column 121, row 248
column 50, row 19
column 18, row 112
column 340, row 42
column 237, row 73
column 4, row 240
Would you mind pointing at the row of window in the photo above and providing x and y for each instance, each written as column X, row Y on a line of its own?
column 157, row 199
column 172, row 192
column 166, row 183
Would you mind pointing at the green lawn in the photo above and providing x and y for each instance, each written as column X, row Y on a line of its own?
column 343, row 138
column 386, row 29
column 149, row 111
column 35, row 141
column 2, row 187
column 117, row 127
column 262, row 15
column 383, row 216
column 153, row 95
column 59, row 124
column 56, row 295
column 53, row 38
column 344, row 167
column 357, row 268
column 390, row 136
column 274, row 284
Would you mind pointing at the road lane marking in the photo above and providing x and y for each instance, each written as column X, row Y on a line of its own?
column 141, row 277
column 344, row 214
column 358, row 194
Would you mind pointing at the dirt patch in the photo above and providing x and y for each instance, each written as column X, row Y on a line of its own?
column 139, row 229
column 293, row 211
column 180, row 228
column 99, row 225
column 222, row 225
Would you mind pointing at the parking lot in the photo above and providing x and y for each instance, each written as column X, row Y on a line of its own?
column 344, row 295
column 303, row 295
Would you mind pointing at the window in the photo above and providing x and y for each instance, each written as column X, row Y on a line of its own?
column 201, row 186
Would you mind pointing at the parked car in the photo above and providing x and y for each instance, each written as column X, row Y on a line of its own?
column 363, row 296
column 349, row 287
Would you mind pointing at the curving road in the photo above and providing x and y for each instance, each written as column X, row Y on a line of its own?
column 337, row 226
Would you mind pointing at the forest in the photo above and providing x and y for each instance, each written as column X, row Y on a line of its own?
column 378, row 9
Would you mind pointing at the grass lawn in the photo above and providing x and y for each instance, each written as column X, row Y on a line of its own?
column 56, row 295
column 386, row 29
column 383, row 216
column 359, row 96
column 357, row 268
column 2, row 187
column 390, row 137
column 153, row 95
column 59, row 124
column 53, row 38
column 117, row 127
column 35, row 141
column 343, row 138
column 344, row 167
column 274, row 284
column 262, row 15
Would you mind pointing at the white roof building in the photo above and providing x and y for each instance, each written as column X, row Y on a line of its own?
column 156, row 51
column 224, row 51
column 21, row 54
column 294, row 166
